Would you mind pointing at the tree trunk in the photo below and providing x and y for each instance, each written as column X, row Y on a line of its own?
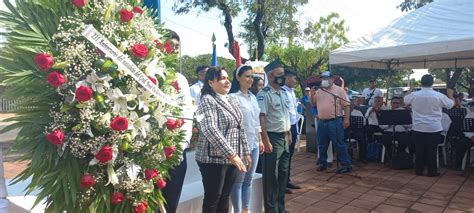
column 454, row 79
column 227, row 24
column 257, row 26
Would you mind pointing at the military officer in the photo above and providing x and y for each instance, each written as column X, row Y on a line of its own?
column 276, row 136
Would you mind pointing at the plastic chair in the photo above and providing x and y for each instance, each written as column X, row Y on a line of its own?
column 464, row 159
column 446, row 122
column 301, row 120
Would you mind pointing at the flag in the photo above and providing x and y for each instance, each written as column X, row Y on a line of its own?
column 214, row 54
column 236, row 54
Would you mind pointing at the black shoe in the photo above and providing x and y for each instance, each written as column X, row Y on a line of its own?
column 344, row 170
column 329, row 165
column 437, row 174
column 321, row 168
column 290, row 185
column 288, row 191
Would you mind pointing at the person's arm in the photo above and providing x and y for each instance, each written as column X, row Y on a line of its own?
column 265, row 139
column 347, row 115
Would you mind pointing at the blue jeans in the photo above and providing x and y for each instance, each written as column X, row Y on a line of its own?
column 242, row 189
column 332, row 130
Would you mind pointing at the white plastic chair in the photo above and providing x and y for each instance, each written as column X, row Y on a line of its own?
column 464, row 159
column 446, row 122
column 301, row 120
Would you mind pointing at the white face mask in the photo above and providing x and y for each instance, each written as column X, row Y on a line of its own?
column 325, row 83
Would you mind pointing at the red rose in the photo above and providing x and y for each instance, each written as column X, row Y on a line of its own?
column 169, row 48
column 56, row 137
column 180, row 122
column 137, row 10
column 44, row 61
column 117, row 198
column 169, row 151
column 87, row 181
column 158, row 43
column 119, row 123
column 125, row 15
column 161, row 183
column 139, row 50
column 153, row 80
column 105, row 154
column 83, row 93
column 171, row 124
column 141, row 207
column 151, row 173
column 175, row 84
column 79, row 3
column 56, row 79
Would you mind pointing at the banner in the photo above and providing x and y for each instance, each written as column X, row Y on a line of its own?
column 124, row 63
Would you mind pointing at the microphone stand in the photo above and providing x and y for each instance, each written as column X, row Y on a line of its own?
column 335, row 114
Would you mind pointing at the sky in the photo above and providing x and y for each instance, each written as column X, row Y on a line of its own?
column 196, row 28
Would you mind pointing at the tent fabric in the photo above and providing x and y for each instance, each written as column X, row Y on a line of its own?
column 437, row 35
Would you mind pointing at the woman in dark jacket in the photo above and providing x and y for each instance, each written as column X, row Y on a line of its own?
column 222, row 141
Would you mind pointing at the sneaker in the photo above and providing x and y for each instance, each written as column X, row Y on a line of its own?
column 344, row 170
column 321, row 168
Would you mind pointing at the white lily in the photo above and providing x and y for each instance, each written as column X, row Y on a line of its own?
column 113, row 179
column 144, row 98
column 153, row 69
column 120, row 100
column 139, row 124
column 98, row 84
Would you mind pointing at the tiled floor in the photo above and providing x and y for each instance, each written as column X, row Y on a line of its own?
column 379, row 189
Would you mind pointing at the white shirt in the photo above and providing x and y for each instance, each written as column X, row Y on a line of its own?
column 427, row 106
column 367, row 91
column 293, row 104
column 188, row 109
column 470, row 114
column 250, row 110
column 195, row 91
column 372, row 116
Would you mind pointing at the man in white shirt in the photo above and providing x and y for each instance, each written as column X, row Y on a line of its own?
column 371, row 92
column 195, row 89
column 174, row 186
column 371, row 116
column 427, row 106
column 290, row 83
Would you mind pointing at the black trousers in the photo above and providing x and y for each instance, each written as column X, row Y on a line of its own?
column 218, row 180
column 294, row 135
column 403, row 139
column 360, row 137
column 174, row 186
column 371, row 129
column 426, row 146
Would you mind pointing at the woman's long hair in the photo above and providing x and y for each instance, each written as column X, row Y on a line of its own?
column 254, row 87
column 235, row 87
column 211, row 74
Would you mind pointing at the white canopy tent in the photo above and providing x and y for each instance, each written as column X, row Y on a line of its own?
column 438, row 35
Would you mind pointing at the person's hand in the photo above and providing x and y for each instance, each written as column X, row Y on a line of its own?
column 268, row 148
column 261, row 147
column 237, row 162
column 346, row 123
column 290, row 140
column 248, row 162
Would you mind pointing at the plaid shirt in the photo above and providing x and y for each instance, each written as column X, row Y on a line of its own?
column 221, row 130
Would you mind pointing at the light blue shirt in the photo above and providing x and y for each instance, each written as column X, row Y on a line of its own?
column 249, row 106
column 293, row 104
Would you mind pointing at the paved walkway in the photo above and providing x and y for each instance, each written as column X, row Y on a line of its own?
column 380, row 189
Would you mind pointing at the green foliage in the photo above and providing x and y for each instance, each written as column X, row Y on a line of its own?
column 189, row 65
column 464, row 82
column 323, row 36
column 408, row 5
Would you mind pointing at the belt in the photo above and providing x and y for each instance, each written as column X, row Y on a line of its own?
column 330, row 119
column 276, row 133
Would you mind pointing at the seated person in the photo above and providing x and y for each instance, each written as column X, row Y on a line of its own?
column 401, row 132
column 464, row 144
column 372, row 121
column 358, row 134
column 358, row 102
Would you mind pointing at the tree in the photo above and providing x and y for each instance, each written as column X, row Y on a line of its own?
column 461, row 79
column 408, row 5
column 264, row 18
column 189, row 64
column 323, row 36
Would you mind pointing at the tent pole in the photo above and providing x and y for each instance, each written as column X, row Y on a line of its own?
column 389, row 81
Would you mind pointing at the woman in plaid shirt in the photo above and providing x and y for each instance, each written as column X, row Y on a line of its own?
column 222, row 141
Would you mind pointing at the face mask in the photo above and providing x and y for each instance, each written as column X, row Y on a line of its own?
column 325, row 83
column 280, row 80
